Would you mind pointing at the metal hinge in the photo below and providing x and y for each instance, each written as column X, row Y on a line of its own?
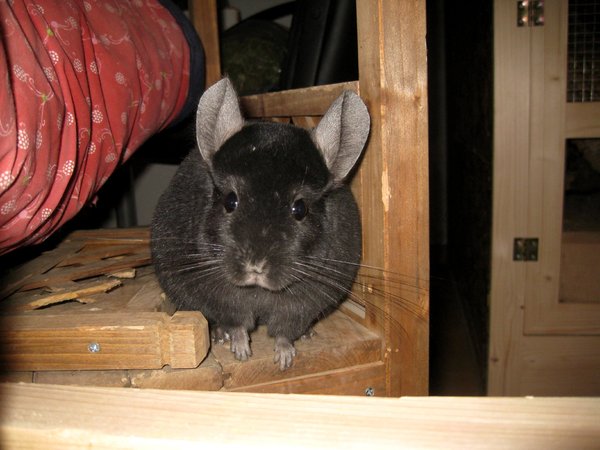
column 530, row 13
column 525, row 249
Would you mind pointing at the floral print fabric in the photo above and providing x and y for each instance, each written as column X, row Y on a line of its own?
column 82, row 85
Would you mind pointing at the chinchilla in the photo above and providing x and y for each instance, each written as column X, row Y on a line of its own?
column 257, row 226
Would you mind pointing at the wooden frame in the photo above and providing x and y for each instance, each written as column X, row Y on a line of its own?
column 538, row 344
column 392, row 183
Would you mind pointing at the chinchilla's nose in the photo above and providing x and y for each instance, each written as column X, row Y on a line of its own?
column 256, row 267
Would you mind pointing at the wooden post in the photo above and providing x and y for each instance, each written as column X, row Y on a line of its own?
column 205, row 18
column 392, row 186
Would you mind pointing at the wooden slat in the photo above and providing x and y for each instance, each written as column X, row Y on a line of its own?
column 140, row 340
column 512, row 49
column 339, row 342
column 579, row 265
column 28, row 301
column 354, row 380
column 206, row 377
column 204, row 16
column 58, row 417
column 312, row 101
column 99, row 267
column 99, row 378
column 110, row 236
column 16, row 278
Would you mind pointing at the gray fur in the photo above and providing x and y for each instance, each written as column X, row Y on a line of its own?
column 257, row 227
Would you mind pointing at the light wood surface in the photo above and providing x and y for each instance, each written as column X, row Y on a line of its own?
column 49, row 417
column 538, row 344
column 583, row 120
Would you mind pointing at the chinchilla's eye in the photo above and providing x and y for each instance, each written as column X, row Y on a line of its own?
column 231, row 202
column 299, row 209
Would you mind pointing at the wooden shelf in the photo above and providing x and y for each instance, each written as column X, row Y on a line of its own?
column 63, row 301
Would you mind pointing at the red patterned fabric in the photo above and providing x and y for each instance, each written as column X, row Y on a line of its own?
column 82, row 85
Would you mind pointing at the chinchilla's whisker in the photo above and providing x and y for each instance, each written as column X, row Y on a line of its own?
column 316, row 276
column 390, row 274
column 402, row 301
column 385, row 280
column 306, row 290
column 349, row 294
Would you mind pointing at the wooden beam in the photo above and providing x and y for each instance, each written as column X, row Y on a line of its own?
column 137, row 340
column 204, row 16
column 58, row 417
column 312, row 101
column 392, row 184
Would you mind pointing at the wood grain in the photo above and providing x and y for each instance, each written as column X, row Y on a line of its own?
column 582, row 120
column 392, row 185
column 140, row 340
column 339, row 342
column 58, row 417
column 538, row 344
column 205, row 18
column 312, row 101
column 353, row 380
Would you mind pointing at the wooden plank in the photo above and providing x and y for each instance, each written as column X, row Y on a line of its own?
column 312, row 101
column 579, row 266
column 94, row 253
column 339, row 342
column 16, row 278
column 49, row 417
column 98, row 378
column 582, row 120
column 16, row 377
column 28, row 301
column 557, row 365
column 100, row 267
column 392, row 185
column 206, row 377
column 109, row 236
column 512, row 47
column 137, row 340
column 204, row 16
column 355, row 380
column 150, row 297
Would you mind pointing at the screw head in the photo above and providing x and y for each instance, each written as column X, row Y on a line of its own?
column 370, row 392
column 94, row 347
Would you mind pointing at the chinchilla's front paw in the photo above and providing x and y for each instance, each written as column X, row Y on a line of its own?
column 284, row 353
column 240, row 343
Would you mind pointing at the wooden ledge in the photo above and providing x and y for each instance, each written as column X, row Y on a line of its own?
column 46, row 416
column 312, row 101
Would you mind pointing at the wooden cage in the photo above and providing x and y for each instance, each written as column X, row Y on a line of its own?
column 120, row 331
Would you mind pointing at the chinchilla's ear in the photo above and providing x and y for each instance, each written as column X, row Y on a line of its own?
column 218, row 118
column 342, row 133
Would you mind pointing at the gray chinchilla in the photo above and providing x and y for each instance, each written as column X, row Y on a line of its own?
column 257, row 227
